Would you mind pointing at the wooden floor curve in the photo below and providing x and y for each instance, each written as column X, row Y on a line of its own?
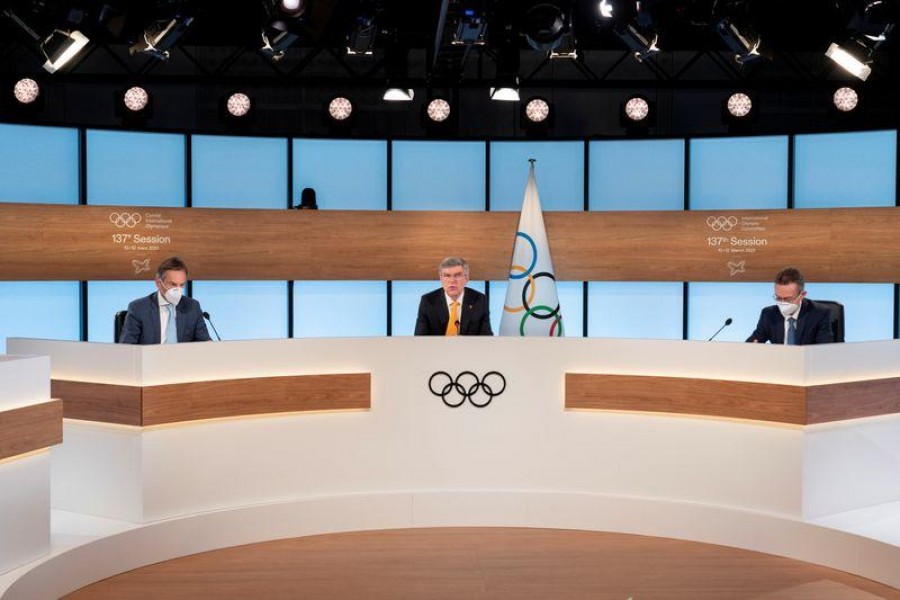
column 485, row 564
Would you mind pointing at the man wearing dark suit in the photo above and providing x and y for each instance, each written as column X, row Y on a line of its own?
column 793, row 320
column 453, row 309
column 165, row 316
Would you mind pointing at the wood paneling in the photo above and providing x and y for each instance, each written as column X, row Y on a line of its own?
column 712, row 397
column 106, row 403
column 853, row 400
column 799, row 405
column 159, row 404
column 46, row 242
column 484, row 564
column 237, row 397
column 30, row 428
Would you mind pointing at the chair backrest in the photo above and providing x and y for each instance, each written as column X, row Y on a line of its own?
column 837, row 317
column 118, row 324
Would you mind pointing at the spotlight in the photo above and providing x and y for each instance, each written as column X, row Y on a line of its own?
column 291, row 8
column 161, row 35
column 537, row 111
column 641, row 43
column 470, row 29
column 637, row 110
column 398, row 94
column 361, row 39
column 506, row 93
column 136, row 99
column 26, row 90
column 61, row 47
column 438, row 110
column 544, row 26
column 742, row 41
column 277, row 37
column 854, row 56
column 340, row 109
column 239, row 105
column 739, row 105
column 605, row 9
column 845, row 99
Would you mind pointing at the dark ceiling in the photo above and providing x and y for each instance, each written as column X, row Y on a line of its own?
column 220, row 52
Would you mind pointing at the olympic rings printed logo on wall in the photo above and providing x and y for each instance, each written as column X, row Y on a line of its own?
column 129, row 220
column 529, row 290
column 721, row 223
column 467, row 386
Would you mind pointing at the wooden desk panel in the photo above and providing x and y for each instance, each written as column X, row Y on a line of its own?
column 30, row 428
column 160, row 404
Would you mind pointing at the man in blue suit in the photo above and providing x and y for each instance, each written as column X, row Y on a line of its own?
column 453, row 309
column 793, row 320
column 166, row 316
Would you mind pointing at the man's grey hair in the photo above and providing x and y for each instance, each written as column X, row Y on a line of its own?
column 454, row 261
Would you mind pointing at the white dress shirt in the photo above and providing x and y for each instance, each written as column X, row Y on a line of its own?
column 459, row 308
column 787, row 325
column 163, row 316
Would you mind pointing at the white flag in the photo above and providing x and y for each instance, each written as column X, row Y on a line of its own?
column 532, row 306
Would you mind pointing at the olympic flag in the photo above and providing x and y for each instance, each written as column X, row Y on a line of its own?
column 532, row 305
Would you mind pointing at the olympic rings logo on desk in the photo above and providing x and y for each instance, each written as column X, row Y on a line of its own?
column 129, row 220
column 721, row 223
column 467, row 386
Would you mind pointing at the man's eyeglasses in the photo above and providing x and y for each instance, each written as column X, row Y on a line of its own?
column 786, row 298
column 453, row 276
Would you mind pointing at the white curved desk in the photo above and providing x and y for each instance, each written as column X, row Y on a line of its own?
column 400, row 457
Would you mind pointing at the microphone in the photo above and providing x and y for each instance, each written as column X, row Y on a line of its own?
column 726, row 324
column 206, row 316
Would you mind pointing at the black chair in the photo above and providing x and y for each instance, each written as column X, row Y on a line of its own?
column 837, row 317
column 118, row 324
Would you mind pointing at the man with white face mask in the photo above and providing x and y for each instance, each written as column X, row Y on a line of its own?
column 793, row 320
column 165, row 316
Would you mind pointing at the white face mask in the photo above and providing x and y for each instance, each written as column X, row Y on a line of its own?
column 787, row 308
column 173, row 295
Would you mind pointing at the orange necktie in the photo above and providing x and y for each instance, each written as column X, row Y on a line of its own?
column 453, row 324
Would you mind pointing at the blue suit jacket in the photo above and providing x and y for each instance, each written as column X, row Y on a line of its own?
column 142, row 321
column 434, row 316
column 813, row 326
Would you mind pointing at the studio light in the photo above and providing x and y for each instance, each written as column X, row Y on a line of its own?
column 544, row 25
column 161, row 36
column 739, row 105
column 291, row 8
column 537, row 110
column 641, row 42
column 470, row 29
column 637, row 109
column 277, row 36
column 340, row 109
column 60, row 47
column 742, row 41
column 361, row 38
column 136, row 99
column 438, row 110
column 853, row 56
column 398, row 94
column 507, row 92
column 26, row 90
column 238, row 105
column 845, row 99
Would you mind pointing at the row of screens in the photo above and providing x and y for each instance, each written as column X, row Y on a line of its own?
column 41, row 164
column 259, row 309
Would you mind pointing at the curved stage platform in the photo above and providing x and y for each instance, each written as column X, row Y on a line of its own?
column 172, row 451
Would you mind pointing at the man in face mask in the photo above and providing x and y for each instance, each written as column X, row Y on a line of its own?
column 165, row 316
column 793, row 320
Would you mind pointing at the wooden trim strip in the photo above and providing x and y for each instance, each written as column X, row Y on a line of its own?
column 853, row 400
column 106, row 403
column 683, row 395
column 174, row 403
column 30, row 428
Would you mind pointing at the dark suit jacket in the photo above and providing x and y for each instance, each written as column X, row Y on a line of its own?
column 434, row 315
column 142, row 321
column 813, row 325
